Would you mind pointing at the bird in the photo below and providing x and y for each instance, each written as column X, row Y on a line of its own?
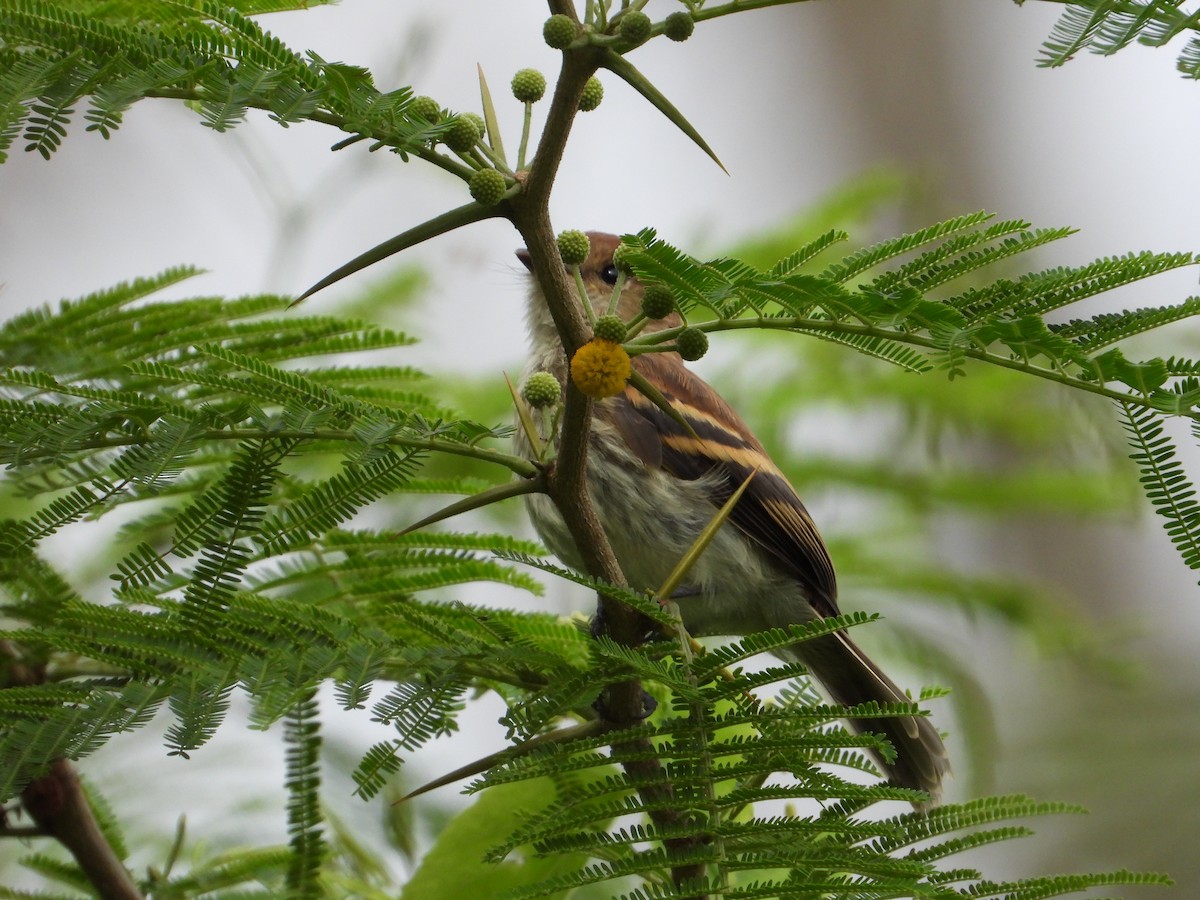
column 656, row 485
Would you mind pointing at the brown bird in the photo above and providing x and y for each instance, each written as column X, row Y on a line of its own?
column 655, row 487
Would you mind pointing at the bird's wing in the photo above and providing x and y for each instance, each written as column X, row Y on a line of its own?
column 769, row 512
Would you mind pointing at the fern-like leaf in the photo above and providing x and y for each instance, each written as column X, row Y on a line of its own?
column 868, row 258
column 1164, row 481
column 302, row 737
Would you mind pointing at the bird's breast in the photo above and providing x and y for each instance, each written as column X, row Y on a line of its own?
column 651, row 519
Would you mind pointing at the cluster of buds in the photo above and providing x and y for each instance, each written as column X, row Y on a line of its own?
column 489, row 177
column 627, row 29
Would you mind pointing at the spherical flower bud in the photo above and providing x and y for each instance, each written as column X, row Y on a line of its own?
column 487, row 186
column 658, row 301
column 425, row 108
column 528, row 85
column 600, row 368
column 463, row 134
column 678, row 26
column 635, row 27
column 476, row 120
column 692, row 343
column 541, row 389
column 610, row 328
column 573, row 247
column 593, row 93
column 621, row 259
column 559, row 31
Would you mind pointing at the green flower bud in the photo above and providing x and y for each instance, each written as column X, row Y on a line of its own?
column 559, row 31
column 573, row 247
column 610, row 328
column 476, row 120
column 425, row 108
column 658, row 301
column 463, row 134
column 487, row 186
column 541, row 389
column 692, row 343
column 678, row 26
column 593, row 93
column 635, row 27
column 529, row 85
column 620, row 260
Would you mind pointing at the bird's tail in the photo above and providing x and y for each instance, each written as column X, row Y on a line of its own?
column 851, row 678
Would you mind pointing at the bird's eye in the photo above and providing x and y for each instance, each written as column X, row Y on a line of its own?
column 609, row 274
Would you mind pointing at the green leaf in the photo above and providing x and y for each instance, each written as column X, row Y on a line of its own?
column 489, row 116
column 454, row 866
column 1144, row 377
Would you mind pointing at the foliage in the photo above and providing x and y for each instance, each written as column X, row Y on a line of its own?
column 56, row 55
column 236, row 477
column 240, row 461
column 1106, row 26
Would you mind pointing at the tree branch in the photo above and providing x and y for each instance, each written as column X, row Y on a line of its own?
column 623, row 703
column 566, row 484
column 58, row 806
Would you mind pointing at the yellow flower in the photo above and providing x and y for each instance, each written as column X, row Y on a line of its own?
column 600, row 368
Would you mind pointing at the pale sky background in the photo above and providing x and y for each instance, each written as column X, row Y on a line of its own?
column 801, row 99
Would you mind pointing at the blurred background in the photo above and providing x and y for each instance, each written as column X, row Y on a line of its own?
column 1073, row 660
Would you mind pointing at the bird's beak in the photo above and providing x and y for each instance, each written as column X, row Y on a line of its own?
column 525, row 258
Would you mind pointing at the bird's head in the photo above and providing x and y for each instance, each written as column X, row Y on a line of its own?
column 599, row 275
